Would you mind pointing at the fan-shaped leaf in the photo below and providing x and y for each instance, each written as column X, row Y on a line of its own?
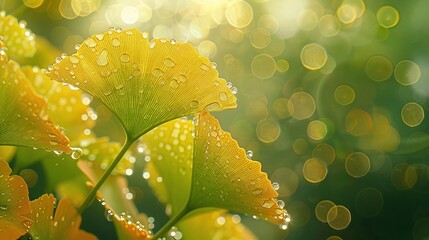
column 64, row 225
column 220, row 175
column 65, row 105
column 24, row 117
column 217, row 225
column 144, row 83
column 14, row 204
column 16, row 37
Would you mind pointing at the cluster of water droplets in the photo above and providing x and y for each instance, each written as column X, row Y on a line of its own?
column 175, row 234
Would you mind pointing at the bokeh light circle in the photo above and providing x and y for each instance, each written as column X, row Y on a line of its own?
column 407, row 72
column 387, row 16
column 263, row 66
column 287, row 179
column 324, row 152
column 314, row 170
column 239, row 13
column 322, row 209
column 313, row 56
column 344, row 95
column 339, row 217
column 358, row 122
column 412, row 114
column 301, row 105
column 379, row 68
column 317, row 130
column 357, row 164
column 268, row 130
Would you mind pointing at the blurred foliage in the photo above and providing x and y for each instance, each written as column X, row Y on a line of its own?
column 331, row 95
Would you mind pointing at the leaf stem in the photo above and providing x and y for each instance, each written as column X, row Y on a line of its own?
column 170, row 224
column 105, row 175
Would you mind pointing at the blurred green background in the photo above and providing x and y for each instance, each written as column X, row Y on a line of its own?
column 331, row 94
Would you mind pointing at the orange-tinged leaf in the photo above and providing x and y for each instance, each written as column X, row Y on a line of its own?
column 65, row 105
column 219, row 176
column 14, row 204
column 24, row 119
column 144, row 83
column 128, row 230
column 63, row 225
column 214, row 225
column 16, row 37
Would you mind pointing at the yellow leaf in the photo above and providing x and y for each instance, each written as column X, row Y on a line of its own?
column 14, row 204
column 218, row 174
column 44, row 55
column 24, row 119
column 63, row 225
column 216, row 225
column 144, row 83
column 17, row 38
column 65, row 105
column 7, row 152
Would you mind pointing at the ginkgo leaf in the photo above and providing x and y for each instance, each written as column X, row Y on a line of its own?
column 217, row 225
column 128, row 230
column 65, row 106
column 220, row 174
column 24, row 119
column 17, row 38
column 44, row 56
column 14, row 204
column 63, row 225
column 170, row 147
column 144, row 83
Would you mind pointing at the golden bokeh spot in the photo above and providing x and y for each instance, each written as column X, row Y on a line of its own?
column 322, row 209
column 344, row 95
column 260, row 38
column 339, row 217
column 329, row 25
column 358, row 122
column 269, row 22
column 324, row 152
column 287, row 179
column 263, row 66
column 207, row 48
column 357, row 164
column 412, row 114
column 236, row 35
column 33, row 3
column 346, row 14
column 329, row 66
column 369, row 202
column 387, row 16
column 313, row 56
column 383, row 136
column 66, row 9
column 239, row 13
column 407, row 72
column 404, row 176
column 379, row 68
column 334, row 238
column 268, row 131
column 308, row 20
column 300, row 146
column 301, row 105
column 30, row 177
column 280, row 108
column 317, row 130
column 282, row 65
column 314, row 170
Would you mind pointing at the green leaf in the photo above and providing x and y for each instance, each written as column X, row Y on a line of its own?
column 217, row 225
column 210, row 171
column 144, row 83
column 24, row 119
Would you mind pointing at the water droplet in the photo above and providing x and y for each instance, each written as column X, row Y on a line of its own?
column 102, row 58
column 56, row 224
column 214, row 65
column 268, row 204
column 3, row 207
column 152, row 44
column 76, row 153
column 283, row 226
column 173, row 41
column 124, row 58
column 182, row 78
column 116, row 42
column 281, row 204
column 53, row 142
column 157, row 72
column 275, row 185
column 223, row 96
column 174, row 84
column 257, row 192
column 108, row 214
column 194, row 104
column 90, row 42
column 204, row 67
column 249, row 154
column 234, row 90
column 99, row 36
column 169, row 63
column 74, row 59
